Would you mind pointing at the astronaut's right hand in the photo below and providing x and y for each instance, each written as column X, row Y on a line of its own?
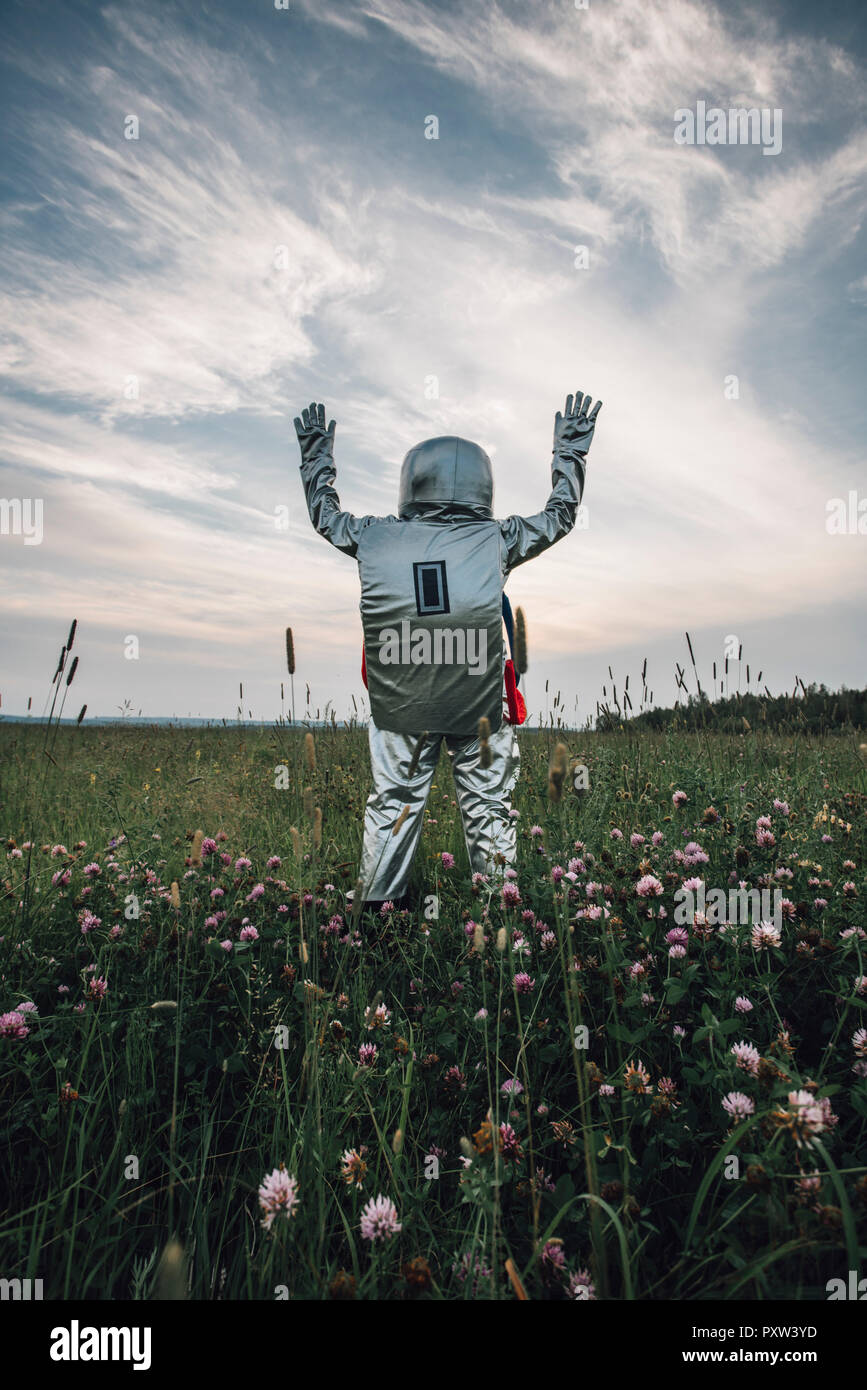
column 573, row 430
column 313, row 437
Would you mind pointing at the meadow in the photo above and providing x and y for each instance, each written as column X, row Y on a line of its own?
column 219, row 1080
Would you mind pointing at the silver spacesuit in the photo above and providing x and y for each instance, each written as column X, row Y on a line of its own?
column 431, row 608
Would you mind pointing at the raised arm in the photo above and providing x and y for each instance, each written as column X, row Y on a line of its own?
column 341, row 528
column 527, row 536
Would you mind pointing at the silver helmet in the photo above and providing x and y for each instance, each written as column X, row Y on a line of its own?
column 446, row 470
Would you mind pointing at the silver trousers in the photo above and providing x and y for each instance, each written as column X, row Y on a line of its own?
column 482, row 796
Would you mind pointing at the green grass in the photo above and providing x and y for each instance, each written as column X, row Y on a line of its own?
column 181, row 1111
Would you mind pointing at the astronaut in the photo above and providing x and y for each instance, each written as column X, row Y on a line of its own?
column 434, row 660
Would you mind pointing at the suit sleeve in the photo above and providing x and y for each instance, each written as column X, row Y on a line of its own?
column 525, row 537
column 341, row 528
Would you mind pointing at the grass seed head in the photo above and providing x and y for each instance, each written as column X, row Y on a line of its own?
column 310, row 753
column 557, row 771
column 520, row 642
column 171, row 1274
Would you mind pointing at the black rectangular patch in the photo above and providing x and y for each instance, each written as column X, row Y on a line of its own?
column 431, row 588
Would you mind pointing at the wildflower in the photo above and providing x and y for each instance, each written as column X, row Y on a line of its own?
column 677, row 936
column 781, row 806
column 480, row 1016
column 693, row 854
column 278, row 1193
column 859, row 1042
column 256, row 892
column 342, row 1286
column 417, row 1274
column 511, row 895
column 367, row 1054
column 743, row 1005
column 471, row 1265
column 513, row 1086
column 553, row 1255
column 227, row 945
column 637, row 1078
column 563, row 1132
column 581, row 1287
column 648, row 887
column 379, row 1219
column 679, row 799
column 810, row 1184
column 12, row 1025
column 249, row 933
column 859, row 984
column 746, row 1056
column 97, row 987
column 738, row 1105
column 354, row 1167
column 380, row 1018
column 543, row 1181
column 448, row 860
column 510, row 1148
column 806, row 1116
column 764, row 935
column 91, row 870
column 536, row 830
column 243, row 864
column 28, row 1007
column 523, row 984
column 606, row 1090
column 678, row 1031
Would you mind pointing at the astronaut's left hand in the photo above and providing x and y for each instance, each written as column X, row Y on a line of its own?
column 573, row 430
column 313, row 437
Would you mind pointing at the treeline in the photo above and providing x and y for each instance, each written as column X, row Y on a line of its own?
column 812, row 708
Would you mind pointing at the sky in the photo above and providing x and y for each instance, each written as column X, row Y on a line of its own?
column 283, row 229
